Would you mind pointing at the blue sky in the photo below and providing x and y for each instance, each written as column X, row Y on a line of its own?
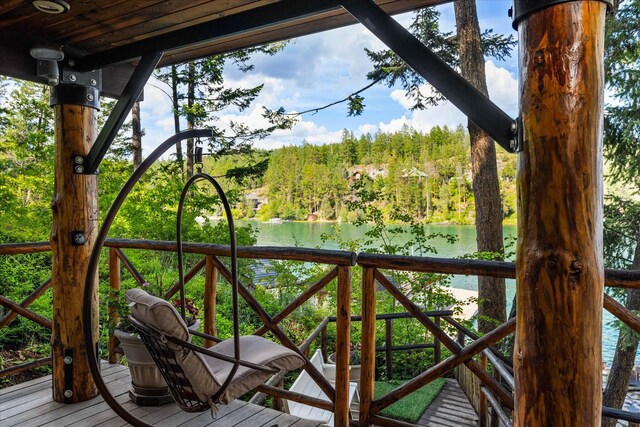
column 318, row 69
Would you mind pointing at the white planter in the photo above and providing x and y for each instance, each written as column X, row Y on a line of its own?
column 148, row 385
column 354, row 370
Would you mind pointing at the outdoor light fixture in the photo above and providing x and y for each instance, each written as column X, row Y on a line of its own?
column 48, row 57
column 51, row 6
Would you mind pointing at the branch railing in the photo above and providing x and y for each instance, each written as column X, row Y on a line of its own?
column 477, row 356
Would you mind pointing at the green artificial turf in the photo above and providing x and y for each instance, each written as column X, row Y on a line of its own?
column 411, row 407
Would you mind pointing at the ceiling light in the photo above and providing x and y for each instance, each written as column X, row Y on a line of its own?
column 48, row 57
column 51, row 6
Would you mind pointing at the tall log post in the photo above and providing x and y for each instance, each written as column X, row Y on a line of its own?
column 75, row 209
column 368, row 359
column 560, row 273
column 210, row 292
column 343, row 347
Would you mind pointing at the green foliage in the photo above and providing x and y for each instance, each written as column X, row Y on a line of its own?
column 622, row 76
column 427, row 173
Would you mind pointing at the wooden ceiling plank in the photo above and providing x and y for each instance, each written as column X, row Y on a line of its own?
column 93, row 12
column 119, row 20
column 163, row 24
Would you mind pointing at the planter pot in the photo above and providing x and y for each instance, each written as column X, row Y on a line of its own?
column 148, row 387
column 354, row 369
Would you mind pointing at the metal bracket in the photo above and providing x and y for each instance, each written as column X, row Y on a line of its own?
column 75, row 95
column 522, row 8
column 78, row 238
column 130, row 95
column 77, row 88
column 473, row 103
column 68, row 375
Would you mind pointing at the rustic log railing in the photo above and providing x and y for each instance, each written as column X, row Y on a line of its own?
column 496, row 389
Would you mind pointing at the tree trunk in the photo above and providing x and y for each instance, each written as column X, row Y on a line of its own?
column 75, row 209
column 136, row 135
column 560, row 271
column 176, row 114
column 191, row 86
column 491, row 291
column 624, row 359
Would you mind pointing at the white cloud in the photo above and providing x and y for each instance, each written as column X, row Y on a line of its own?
column 503, row 90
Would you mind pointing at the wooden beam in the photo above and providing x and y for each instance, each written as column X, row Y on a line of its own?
column 560, row 274
column 75, row 208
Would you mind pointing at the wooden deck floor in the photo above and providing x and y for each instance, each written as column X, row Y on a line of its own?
column 30, row 404
column 450, row 409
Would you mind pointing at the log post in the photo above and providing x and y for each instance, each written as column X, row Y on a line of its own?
column 368, row 359
column 210, row 292
column 560, row 273
column 343, row 347
column 114, row 319
column 75, row 226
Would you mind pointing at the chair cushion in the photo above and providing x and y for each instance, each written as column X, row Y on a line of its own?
column 253, row 349
column 158, row 313
column 205, row 373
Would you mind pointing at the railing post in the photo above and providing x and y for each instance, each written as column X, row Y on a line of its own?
column 388, row 343
column 278, row 404
column 343, row 347
column 114, row 319
column 368, row 360
column 210, row 292
column 436, row 344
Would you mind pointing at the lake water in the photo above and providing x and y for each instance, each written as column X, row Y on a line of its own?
column 309, row 234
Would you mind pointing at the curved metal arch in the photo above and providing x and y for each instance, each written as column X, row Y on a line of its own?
column 92, row 269
column 234, row 269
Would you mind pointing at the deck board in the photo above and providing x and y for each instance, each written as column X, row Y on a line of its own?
column 450, row 408
column 30, row 404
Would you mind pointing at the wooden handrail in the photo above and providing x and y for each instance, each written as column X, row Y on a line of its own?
column 24, row 248
column 321, row 256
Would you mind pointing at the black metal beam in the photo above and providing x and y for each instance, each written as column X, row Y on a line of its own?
column 487, row 115
column 132, row 91
column 253, row 19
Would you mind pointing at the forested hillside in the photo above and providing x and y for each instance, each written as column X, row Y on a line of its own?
column 427, row 174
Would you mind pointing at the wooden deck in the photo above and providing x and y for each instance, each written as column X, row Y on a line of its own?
column 450, row 409
column 30, row 404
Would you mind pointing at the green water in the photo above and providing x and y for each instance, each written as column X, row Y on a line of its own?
column 309, row 234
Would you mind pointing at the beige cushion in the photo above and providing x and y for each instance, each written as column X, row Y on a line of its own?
column 205, row 373
column 156, row 312
column 253, row 349
column 159, row 314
